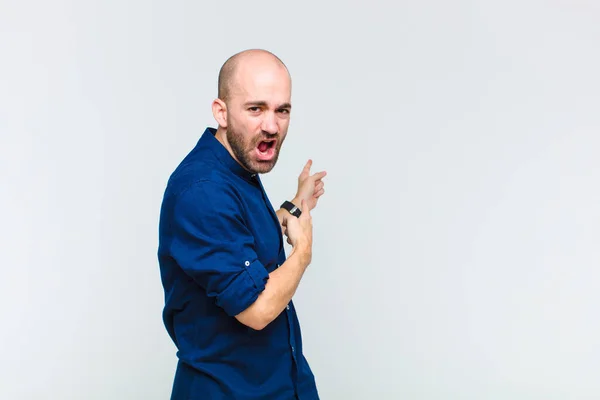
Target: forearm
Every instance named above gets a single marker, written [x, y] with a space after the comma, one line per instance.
[278, 292]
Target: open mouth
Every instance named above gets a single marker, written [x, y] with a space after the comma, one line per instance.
[266, 145]
[266, 149]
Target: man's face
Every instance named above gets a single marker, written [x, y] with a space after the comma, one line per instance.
[258, 116]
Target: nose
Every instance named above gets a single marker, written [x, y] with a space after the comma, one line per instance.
[269, 123]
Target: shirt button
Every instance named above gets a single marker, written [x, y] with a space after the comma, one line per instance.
[293, 349]
[288, 307]
[247, 263]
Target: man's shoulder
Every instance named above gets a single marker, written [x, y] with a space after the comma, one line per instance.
[193, 175]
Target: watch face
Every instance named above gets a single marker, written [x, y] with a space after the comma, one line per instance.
[296, 211]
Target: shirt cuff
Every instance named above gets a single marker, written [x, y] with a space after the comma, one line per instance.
[244, 289]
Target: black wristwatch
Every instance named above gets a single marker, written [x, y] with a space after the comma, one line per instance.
[295, 211]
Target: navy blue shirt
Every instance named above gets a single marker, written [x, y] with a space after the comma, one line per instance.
[219, 238]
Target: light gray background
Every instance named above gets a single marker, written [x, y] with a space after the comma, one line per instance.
[457, 245]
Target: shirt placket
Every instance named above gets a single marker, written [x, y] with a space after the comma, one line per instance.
[289, 309]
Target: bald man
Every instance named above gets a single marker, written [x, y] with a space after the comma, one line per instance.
[228, 283]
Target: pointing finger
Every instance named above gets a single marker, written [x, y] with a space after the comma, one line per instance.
[319, 175]
[307, 166]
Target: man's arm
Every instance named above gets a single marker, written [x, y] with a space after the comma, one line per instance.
[213, 246]
[279, 290]
[283, 282]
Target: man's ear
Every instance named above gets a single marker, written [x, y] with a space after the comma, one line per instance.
[219, 109]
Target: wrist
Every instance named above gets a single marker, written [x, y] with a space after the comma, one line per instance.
[297, 202]
[292, 207]
[303, 251]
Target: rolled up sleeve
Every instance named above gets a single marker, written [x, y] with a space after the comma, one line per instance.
[213, 245]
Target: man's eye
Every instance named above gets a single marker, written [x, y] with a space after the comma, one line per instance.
[284, 111]
[254, 109]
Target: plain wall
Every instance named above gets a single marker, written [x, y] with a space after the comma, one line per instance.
[457, 246]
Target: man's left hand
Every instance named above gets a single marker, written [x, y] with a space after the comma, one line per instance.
[310, 187]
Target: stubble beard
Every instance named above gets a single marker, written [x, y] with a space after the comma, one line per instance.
[245, 150]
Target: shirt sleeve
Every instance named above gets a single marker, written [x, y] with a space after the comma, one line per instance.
[213, 245]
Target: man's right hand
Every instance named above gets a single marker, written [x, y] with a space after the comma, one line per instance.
[299, 231]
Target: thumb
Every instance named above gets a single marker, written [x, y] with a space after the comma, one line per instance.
[304, 208]
[306, 169]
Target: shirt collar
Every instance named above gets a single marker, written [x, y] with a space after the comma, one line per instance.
[210, 140]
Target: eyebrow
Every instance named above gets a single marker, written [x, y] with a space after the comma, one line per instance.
[264, 104]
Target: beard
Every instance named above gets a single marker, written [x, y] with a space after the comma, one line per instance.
[245, 150]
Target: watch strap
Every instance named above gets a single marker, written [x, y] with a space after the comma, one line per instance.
[292, 208]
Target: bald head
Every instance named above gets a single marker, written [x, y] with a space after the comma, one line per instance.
[253, 108]
[244, 61]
